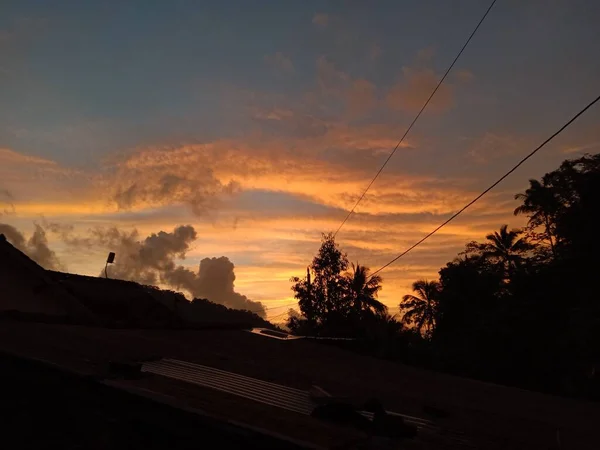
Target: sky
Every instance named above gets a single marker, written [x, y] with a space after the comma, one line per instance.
[260, 123]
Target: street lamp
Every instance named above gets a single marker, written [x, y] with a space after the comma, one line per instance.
[109, 260]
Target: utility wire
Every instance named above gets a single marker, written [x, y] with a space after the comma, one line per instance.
[560, 130]
[277, 316]
[415, 119]
[272, 307]
[281, 306]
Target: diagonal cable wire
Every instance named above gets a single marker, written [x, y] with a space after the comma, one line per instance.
[416, 118]
[496, 183]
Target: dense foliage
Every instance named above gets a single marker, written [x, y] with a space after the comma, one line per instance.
[333, 300]
[519, 308]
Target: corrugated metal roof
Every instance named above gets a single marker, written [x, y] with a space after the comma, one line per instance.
[272, 394]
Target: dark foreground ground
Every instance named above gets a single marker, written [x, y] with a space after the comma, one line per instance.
[488, 415]
[42, 407]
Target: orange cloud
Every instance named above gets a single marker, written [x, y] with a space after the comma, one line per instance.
[361, 97]
[11, 158]
[410, 93]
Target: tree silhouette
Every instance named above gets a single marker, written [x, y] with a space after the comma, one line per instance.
[363, 290]
[321, 294]
[335, 301]
[507, 248]
[421, 310]
[541, 206]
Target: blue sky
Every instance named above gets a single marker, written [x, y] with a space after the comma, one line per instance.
[278, 113]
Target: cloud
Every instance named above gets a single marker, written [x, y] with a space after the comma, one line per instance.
[329, 78]
[285, 122]
[36, 247]
[413, 90]
[418, 81]
[153, 177]
[38, 250]
[215, 281]
[14, 236]
[8, 156]
[491, 146]
[581, 148]
[280, 62]
[26, 176]
[357, 96]
[320, 20]
[152, 260]
[7, 207]
[361, 97]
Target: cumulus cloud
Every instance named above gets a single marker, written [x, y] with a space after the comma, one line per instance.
[320, 20]
[215, 281]
[36, 247]
[280, 62]
[152, 260]
[144, 260]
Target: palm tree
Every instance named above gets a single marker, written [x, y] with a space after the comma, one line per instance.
[541, 205]
[506, 247]
[363, 290]
[421, 309]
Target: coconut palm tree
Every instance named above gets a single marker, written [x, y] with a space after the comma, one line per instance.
[541, 206]
[421, 309]
[506, 247]
[362, 290]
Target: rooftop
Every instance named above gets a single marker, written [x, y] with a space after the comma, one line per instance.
[491, 416]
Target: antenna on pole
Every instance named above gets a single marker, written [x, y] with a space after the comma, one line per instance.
[109, 260]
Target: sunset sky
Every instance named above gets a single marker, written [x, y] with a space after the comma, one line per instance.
[260, 123]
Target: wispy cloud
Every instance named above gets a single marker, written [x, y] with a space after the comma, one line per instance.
[413, 89]
[581, 148]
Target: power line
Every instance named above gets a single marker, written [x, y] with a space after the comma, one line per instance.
[415, 119]
[272, 307]
[281, 306]
[277, 316]
[560, 130]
